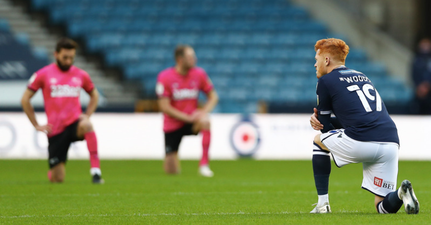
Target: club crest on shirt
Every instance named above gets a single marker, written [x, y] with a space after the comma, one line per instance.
[76, 81]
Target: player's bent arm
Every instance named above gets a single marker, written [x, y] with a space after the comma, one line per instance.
[336, 123]
[314, 122]
[166, 107]
[325, 120]
[94, 100]
[27, 107]
[211, 102]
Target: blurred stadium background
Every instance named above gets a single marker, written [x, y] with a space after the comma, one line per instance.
[258, 53]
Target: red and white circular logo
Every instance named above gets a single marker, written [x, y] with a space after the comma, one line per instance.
[245, 138]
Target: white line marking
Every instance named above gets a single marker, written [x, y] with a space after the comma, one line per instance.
[173, 193]
[149, 214]
[164, 214]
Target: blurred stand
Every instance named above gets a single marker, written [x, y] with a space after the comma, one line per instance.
[146, 106]
[421, 75]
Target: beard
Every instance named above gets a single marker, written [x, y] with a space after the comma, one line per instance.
[188, 67]
[62, 67]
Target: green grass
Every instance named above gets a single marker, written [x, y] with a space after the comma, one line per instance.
[242, 192]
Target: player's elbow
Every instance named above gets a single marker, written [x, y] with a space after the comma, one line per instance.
[163, 107]
[24, 101]
[94, 94]
[214, 97]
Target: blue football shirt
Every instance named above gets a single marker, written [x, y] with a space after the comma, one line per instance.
[356, 103]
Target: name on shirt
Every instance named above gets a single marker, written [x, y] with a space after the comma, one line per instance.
[58, 91]
[181, 94]
[354, 79]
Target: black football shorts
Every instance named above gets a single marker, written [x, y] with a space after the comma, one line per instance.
[173, 139]
[58, 145]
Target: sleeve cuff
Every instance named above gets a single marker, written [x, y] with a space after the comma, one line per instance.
[328, 112]
[209, 89]
[31, 89]
[91, 90]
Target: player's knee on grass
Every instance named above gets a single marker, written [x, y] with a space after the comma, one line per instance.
[58, 173]
[171, 164]
[318, 142]
[55, 179]
[377, 200]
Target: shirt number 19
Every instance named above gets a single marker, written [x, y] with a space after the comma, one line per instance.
[364, 94]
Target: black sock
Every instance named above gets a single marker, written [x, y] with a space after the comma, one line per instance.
[390, 204]
[321, 169]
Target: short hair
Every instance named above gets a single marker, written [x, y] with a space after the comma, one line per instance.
[65, 43]
[337, 48]
[179, 51]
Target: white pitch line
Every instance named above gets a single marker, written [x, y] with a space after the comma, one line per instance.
[173, 193]
[164, 214]
[159, 193]
[150, 215]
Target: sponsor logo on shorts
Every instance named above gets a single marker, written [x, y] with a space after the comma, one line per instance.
[388, 185]
[378, 182]
[54, 160]
[383, 183]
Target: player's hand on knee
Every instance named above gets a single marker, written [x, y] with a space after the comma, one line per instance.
[198, 115]
[45, 128]
[83, 117]
[189, 119]
[315, 123]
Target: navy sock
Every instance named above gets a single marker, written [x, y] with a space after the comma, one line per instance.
[321, 169]
[391, 203]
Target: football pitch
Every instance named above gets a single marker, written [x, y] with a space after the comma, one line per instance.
[241, 192]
